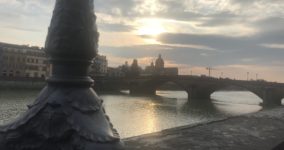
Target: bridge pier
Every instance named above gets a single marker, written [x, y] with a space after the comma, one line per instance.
[271, 97]
[199, 95]
[136, 90]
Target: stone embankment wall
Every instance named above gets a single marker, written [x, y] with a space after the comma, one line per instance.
[23, 84]
[263, 130]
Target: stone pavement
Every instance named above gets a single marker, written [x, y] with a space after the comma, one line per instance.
[259, 131]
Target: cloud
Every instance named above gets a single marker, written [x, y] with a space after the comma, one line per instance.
[232, 49]
[270, 24]
[274, 46]
[115, 27]
[193, 49]
[218, 42]
[22, 28]
[221, 19]
[238, 71]
[116, 7]
[25, 14]
[198, 32]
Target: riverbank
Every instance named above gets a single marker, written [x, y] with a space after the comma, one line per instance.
[22, 84]
[258, 131]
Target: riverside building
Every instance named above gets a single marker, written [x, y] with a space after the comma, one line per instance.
[99, 66]
[159, 69]
[21, 61]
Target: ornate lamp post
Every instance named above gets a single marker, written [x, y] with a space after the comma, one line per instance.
[67, 115]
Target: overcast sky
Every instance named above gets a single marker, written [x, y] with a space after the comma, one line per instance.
[231, 36]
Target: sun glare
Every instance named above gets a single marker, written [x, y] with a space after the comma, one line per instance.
[151, 27]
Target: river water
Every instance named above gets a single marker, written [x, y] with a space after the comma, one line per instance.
[134, 116]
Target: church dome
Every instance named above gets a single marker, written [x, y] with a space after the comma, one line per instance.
[159, 62]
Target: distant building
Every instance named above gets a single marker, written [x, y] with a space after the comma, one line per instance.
[159, 65]
[115, 72]
[23, 61]
[134, 70]
[99, 66]
[125, 68]
[173, 71]
[159, 68]
[149, 70]
[159, 62]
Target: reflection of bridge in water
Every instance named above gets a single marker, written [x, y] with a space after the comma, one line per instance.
[197, 88]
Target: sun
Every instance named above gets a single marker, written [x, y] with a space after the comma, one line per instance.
[150, 27]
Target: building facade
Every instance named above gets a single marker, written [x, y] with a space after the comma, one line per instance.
[115, 72]
[171, 71]
[20, 61]
[159, 69]
[149, 70]
[99, 66]
[159, 66]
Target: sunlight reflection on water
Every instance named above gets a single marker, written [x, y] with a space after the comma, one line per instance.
[140, 115]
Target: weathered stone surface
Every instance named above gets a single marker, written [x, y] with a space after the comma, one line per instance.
[259, 131]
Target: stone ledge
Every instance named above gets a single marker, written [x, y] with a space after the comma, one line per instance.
[258, 131]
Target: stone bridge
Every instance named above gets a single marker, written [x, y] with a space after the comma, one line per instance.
[200, 88]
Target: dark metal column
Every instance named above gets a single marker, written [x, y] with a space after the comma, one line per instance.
[68, 114]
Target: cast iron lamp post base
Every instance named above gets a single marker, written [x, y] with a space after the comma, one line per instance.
[62, 118]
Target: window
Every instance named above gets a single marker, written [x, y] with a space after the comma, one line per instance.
[11, 74]
[4, 73]
[36, 75]
[17, 73]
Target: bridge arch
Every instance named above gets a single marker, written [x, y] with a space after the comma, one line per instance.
[254, 94]
[255, 91]
[177, 83]
[269, 96]
[202, 88]
[150, 87]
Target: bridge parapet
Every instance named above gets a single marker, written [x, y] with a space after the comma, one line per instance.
[202, 87]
